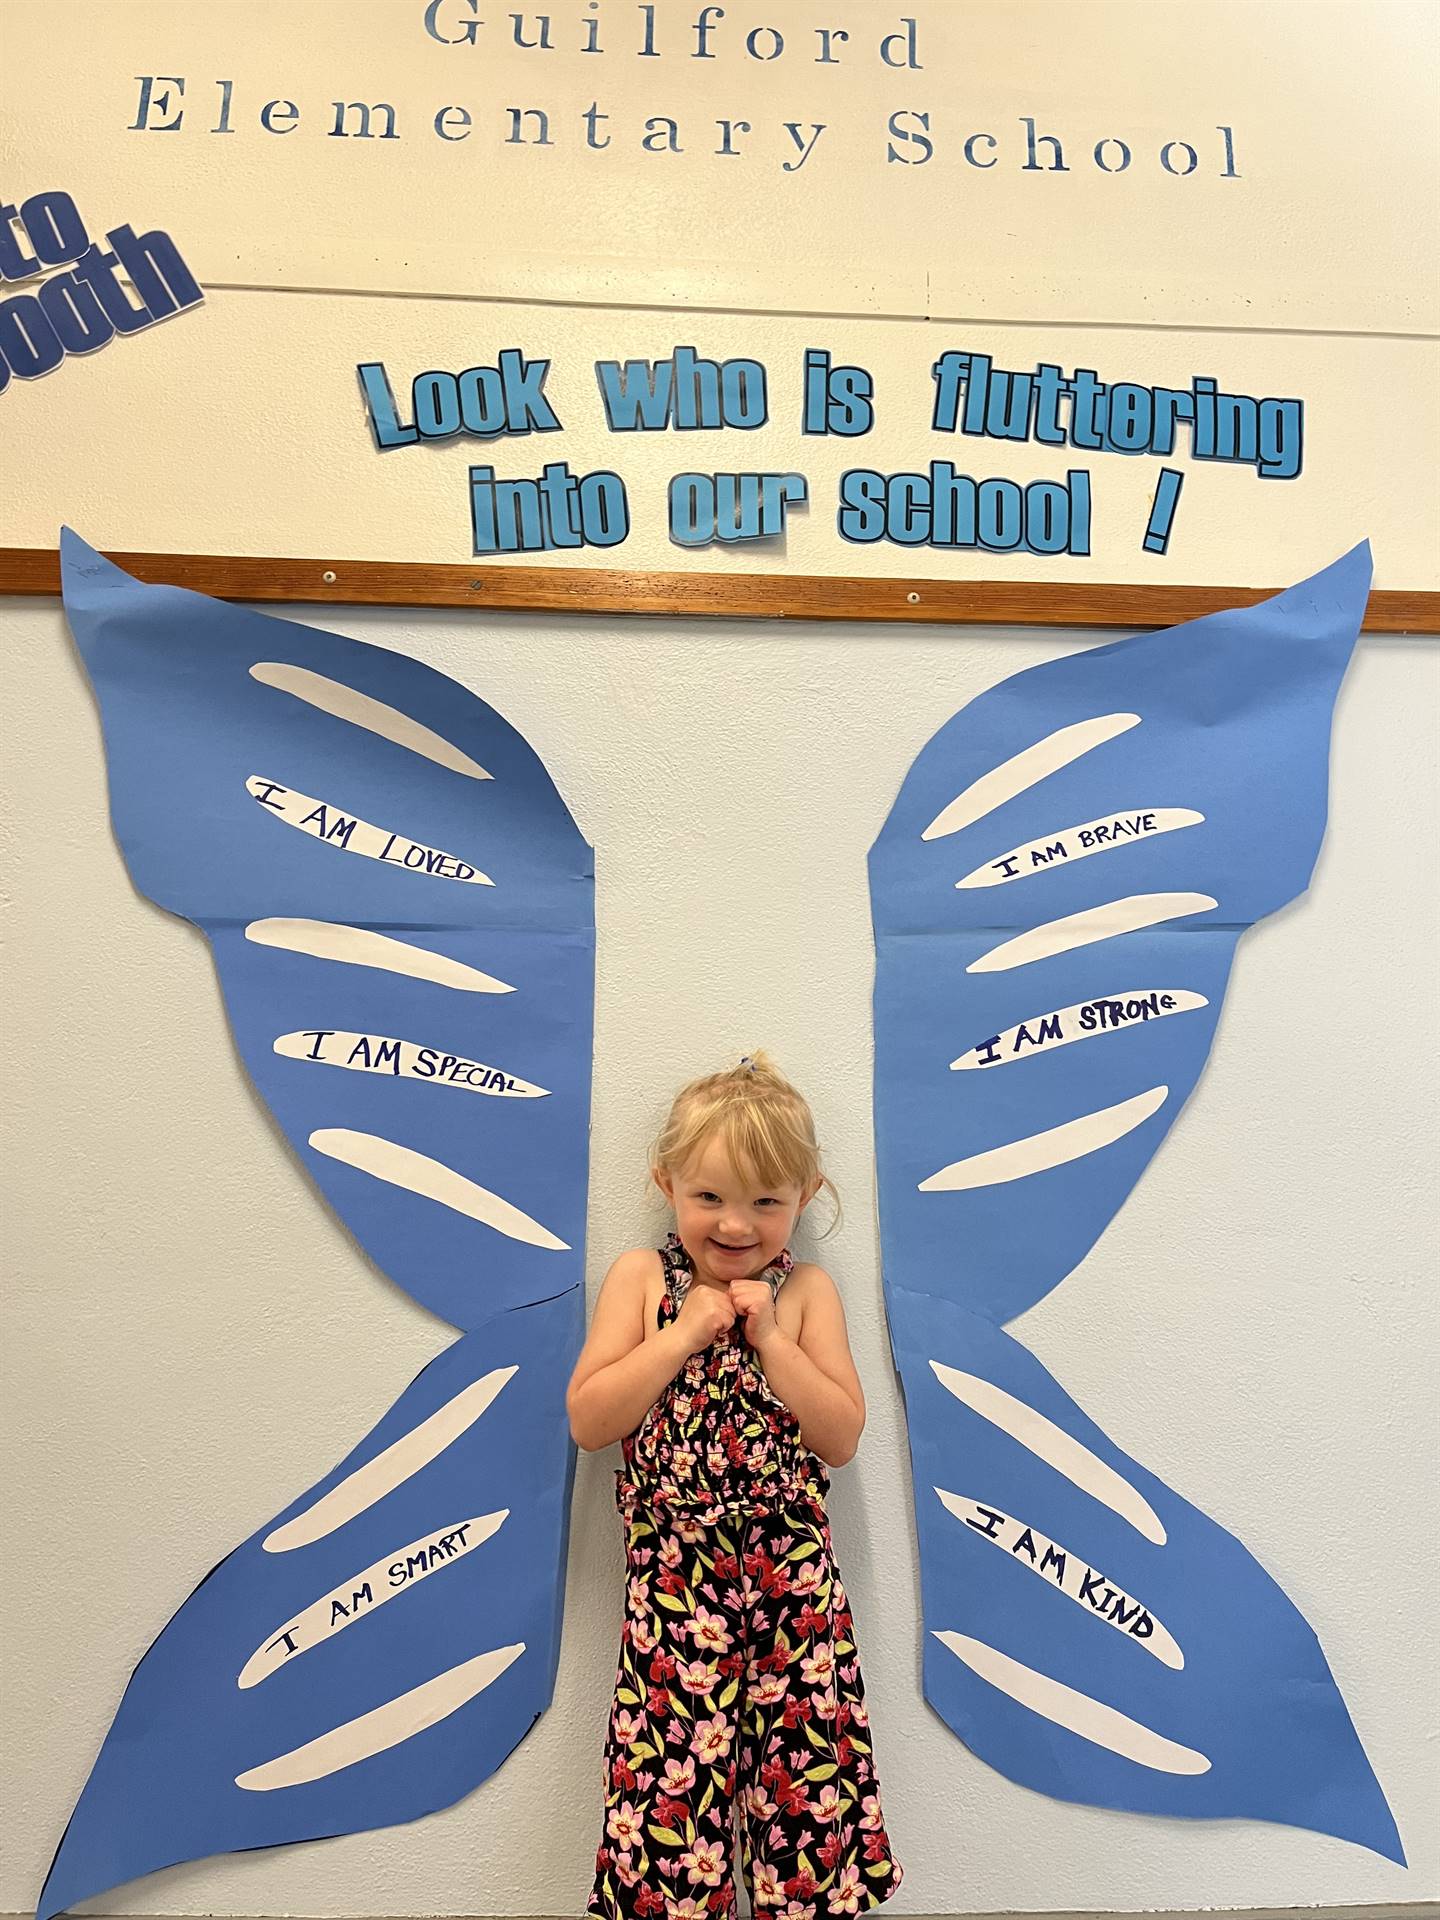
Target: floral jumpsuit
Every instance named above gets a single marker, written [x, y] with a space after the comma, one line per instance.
[739, 1687]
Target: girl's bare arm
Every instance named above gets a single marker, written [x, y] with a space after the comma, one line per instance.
[620, 1374]
[814, 1373]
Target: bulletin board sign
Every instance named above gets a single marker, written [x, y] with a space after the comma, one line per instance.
[813, 313]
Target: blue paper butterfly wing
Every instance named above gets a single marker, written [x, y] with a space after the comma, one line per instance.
[433, 1601]
[1226, 719]
[1250, 1725]
[1116, 819]
[401, 911]
[187, 726]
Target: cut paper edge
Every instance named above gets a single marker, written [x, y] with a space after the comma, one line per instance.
[1105, 922]
[316, 1623]
[1035, 1550]
[1055, 1147]
[382, 1727]
[1050, 850]
[1027, 769]
[1079, 1713]
[391, 1467]
[347, 703]
[1069, 1457]
[417, 1173]
[363, 947]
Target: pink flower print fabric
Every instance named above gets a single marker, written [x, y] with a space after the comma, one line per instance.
[739, 1701]
[718, 1441]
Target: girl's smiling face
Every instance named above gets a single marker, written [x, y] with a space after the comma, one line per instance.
[732, 1228]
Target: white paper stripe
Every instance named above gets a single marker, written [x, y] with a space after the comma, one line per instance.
[384, 1726]
[322, 820]
[1068, 844]
[1083, 929]
[1091, 1019]
[1056, 1147]
[360, 947]
[356, 1598]
[1027, 769]
[391, 1467]
[1063, 1706]
[403, 1060]
[361, 710]
[401, 1166]
[1069, 1573]
[1056, 1447]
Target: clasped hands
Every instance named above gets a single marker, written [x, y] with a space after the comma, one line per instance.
[706, 1312]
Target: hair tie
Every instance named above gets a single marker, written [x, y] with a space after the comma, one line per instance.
[747, 1063]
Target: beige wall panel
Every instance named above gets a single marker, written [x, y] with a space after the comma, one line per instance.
[1303, 216]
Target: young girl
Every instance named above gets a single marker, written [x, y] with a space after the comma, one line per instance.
[725, 1370]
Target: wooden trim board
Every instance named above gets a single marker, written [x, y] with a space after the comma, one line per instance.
[745, 596]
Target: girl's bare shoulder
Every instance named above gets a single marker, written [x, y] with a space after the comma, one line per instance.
[640, 1273]
[640, 1263]
[806, 1287]
[807, 1278]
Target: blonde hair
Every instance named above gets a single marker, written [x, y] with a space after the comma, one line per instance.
[764, 1124]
